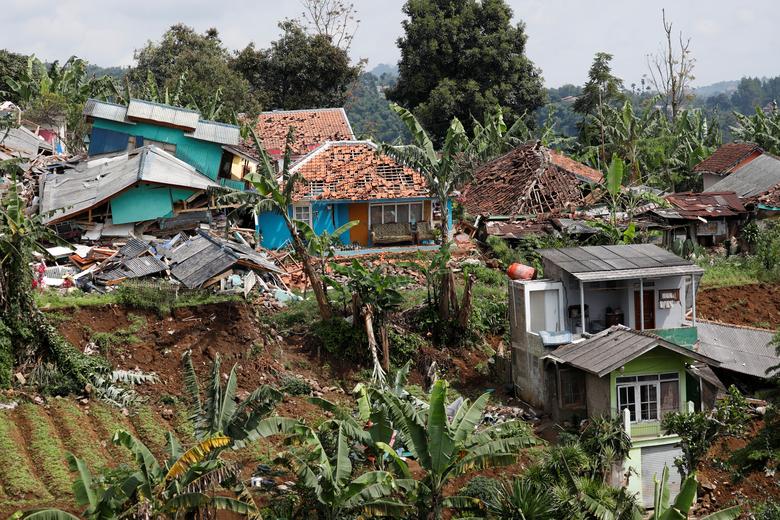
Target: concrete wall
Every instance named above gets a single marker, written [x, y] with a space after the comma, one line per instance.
[203, 155]
[597, 395]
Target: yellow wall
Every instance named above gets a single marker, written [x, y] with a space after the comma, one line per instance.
[238, 166]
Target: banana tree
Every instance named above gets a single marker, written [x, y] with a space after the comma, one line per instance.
[678, 510]
[323, 246]
[446, 447]
[183, 485]
[220, 414]
[762, 128]
[274, 193]
[328, 476]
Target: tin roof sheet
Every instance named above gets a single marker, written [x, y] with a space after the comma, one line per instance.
[216, 133]
[755, 178]
[741, 349]
[176, 116]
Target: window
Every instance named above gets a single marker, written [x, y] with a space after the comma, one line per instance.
[403, 212]
[316, 188]
[302, 212]
[649, 397]
[572, 384]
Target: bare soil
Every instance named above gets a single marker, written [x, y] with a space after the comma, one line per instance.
[753, 305]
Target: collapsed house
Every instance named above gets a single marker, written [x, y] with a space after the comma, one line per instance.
[529, 184]
[112, 196]
[708, 219]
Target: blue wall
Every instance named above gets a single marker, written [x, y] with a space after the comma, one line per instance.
[327, 217]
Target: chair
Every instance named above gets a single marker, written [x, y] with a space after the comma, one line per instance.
[391, 233]
[425, 232]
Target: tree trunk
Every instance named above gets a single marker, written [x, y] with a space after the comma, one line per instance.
[355, 310]
[378, 374]
[444, 298]
[326, 312]
[385, 347]
[466, 303]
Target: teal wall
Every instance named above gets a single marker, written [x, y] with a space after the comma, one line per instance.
[203, 155]
[683, 336]
[146, 202]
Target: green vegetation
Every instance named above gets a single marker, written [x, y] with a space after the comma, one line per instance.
[108, 420]
[108, 341]
[727, 271]
[292, 385]
[55, 299]
[46, 450]
[76, 432]
[147, 425]
[18, 479]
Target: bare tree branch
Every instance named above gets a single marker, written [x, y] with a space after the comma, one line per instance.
[335, 19]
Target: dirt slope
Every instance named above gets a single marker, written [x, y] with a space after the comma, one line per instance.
[754, 305]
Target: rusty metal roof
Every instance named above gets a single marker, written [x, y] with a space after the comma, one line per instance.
[710, 204]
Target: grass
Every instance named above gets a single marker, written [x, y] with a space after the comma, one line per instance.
[53, 299]
[150, 428]
[108, 420]
[47, 451]
[18, 479]
[77, 434]
[728, 272]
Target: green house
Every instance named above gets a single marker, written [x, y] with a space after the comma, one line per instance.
[637, 376]
[179, 131]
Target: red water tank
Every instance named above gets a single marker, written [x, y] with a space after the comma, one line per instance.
[520, 272]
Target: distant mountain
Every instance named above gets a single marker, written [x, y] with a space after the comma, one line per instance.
[721, 87]
[370, 114]
[384, 68]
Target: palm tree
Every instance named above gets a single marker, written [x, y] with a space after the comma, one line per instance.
[275, 194]
[182, 485]
[219, 414]
[446, 447]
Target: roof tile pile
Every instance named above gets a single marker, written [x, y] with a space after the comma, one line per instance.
[312, 129]
[711, 204]
[581, 171]
[525, 181]
[352, 170]
[725, 158]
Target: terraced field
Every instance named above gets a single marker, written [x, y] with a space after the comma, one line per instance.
[35, 439]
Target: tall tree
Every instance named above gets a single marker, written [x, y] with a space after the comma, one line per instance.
[601, 88]
[12, 65]
[459, 58]
[299, 70]
[205, 62]
[334, 19]
[671, 71]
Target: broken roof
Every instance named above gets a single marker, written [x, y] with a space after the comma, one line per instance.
[65, 195]
[525, 181]
[752, 180]
[613, 348]
[204, 256]
[745, 350]
[168, 115]
[727, 157]
[581, 171]
[598, 263]
[23, 142]
[313, 128]
[692, 205]
[353, 170]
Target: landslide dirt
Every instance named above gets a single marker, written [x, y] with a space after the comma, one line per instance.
[753, 305]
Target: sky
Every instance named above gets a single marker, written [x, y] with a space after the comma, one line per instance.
[728, 39]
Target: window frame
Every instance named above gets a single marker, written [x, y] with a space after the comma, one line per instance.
[573, 376]
[635, 384]
[395, 205]
[301, 206]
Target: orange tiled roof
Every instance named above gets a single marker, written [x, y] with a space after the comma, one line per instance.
[583, 172]
[312, 129]
[352, 170]
[727, 157]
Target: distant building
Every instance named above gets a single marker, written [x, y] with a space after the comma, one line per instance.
[727, 159]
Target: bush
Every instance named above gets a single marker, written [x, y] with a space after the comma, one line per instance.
[6, 356]
[769, 510]
[489, 311]
[146, 297]
[483, 488]
[486, 275]
[404, 345]
[295, 386]
[341, 339]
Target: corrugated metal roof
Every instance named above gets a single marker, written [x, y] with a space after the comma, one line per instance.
[23, 141]
[711, 204]
[615, 347]
[756, 177]
[176, 116]
[592, 263]
[65, 195]
[743, 350]
[216, 133]
[105, 110]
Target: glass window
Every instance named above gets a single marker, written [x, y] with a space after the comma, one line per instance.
[403, 212]
[376, 215]
[670, 397]
[627, 399]
[416, 212]
[648, 401]
[388, 211]
[303, 213]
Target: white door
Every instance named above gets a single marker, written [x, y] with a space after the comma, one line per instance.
[653, 460]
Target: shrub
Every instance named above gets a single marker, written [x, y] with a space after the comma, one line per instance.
[6, 356]
[341, 339]
[483, 488]
[404, 345]
[769, 510]
[489, 311]
[295, 386]
[146, 297]
[486, 275]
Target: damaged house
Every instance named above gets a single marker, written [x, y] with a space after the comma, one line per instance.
[606, 332]
[724, 161]
[519, 192]
[347, 181]
[109, 196]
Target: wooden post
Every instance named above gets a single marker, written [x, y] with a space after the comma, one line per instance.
[693, 297]
[641, 304]
[582, 307]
